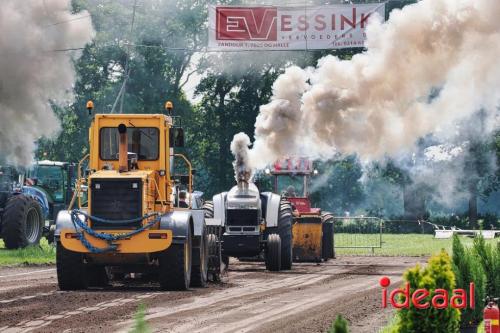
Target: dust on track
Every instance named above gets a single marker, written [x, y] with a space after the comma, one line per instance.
[250, 299]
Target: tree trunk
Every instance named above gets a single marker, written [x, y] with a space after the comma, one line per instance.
[414, 203]
[473, 205]
[221, 92]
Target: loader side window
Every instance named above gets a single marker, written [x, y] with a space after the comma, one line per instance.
[144, 141]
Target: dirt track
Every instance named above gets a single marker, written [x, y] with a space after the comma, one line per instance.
[305, 299]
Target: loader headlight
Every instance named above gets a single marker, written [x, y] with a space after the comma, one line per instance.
[267, 171]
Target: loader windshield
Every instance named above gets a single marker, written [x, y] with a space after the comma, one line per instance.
[290, 186]
[143, 141]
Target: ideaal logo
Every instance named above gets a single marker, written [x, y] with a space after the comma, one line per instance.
[247, 23]
[420, 297]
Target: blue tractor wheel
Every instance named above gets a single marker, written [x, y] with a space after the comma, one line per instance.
[22, 222]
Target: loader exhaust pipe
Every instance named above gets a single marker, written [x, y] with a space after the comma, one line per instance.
[123, 149]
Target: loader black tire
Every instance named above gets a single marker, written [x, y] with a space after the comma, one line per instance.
[22, 222]
[285, 231]
[273, 253]
[328, 248]
[176, 265]
[71, 270]
[199, 272]
[97, 276]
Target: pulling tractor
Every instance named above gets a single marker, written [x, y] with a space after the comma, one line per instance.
[312, 229]
[29, 201]
[21, 214]
[140, 217]
[252, 224]
[52, 183]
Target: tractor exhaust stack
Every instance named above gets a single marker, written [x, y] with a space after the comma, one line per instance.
[242, 169]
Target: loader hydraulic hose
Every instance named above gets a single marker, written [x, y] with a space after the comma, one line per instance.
[82, 226]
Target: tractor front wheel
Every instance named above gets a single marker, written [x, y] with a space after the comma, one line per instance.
[215, 259]
[273, 253]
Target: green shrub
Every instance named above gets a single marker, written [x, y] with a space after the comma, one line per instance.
[437, 274]
[140, 323]
[339, 325]
[392, 326]
[467, 269]
[489, 258]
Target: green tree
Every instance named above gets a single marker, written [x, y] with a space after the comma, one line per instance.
[153, 57]
[339, 188]
[437, 274]
[467, 269]
[489, 258]
[340, 325]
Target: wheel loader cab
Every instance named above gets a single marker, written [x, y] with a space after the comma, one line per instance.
[130, 219]
[130, 163]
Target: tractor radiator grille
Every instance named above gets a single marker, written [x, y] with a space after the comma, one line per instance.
[116, 199]
[242, 217]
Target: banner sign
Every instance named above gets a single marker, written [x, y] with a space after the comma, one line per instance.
[290, 28]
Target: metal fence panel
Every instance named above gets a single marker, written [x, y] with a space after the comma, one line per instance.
[358, 232]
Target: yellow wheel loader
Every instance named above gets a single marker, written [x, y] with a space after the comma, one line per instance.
[131, 212]
[312, 229]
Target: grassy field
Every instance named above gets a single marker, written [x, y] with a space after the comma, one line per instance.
[392, 245]
[398, 244]
[33, 255]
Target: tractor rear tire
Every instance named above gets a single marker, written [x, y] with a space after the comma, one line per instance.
[176, 265]
[273, 253]
[71, 270]
[199, 272]
[328, 249]
[215, 259]
[225, 261]
[208, 208]
[285, 232]
[22, 222]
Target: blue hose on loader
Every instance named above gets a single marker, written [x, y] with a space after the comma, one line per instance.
[109, 238]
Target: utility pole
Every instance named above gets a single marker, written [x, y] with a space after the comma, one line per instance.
[127, 65]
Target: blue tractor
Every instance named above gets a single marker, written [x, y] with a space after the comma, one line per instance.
[21, 215]
[30, 201]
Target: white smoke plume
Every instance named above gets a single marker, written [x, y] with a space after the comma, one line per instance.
[32, 70]
[239, 148]
[378, 103]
